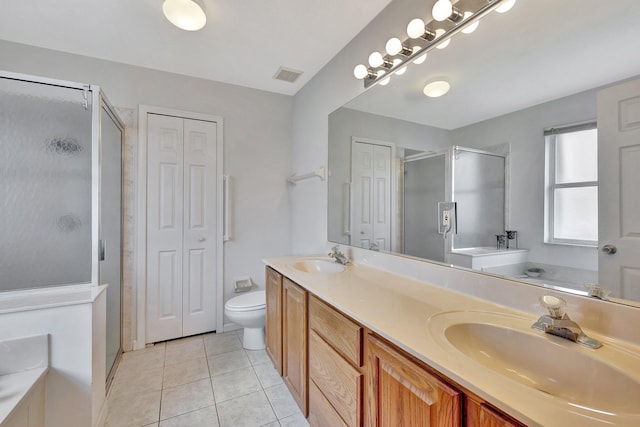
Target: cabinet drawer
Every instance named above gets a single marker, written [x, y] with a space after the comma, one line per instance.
[342, 333]
[321, 413]
[340, 383]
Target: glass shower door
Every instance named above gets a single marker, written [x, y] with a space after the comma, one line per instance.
[111, 229]
[45, 185]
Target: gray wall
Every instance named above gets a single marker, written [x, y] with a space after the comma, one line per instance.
[257, 140]
[330, 88]
[523, 131]
[345, 123]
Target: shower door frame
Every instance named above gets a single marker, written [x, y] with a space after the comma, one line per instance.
[450, 194]
[95, 157]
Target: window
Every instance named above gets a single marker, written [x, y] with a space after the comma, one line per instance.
[571, 199]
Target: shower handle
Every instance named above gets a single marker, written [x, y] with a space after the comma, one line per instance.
[101, 250]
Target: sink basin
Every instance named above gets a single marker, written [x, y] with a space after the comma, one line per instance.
[318, 266]
[606, 380]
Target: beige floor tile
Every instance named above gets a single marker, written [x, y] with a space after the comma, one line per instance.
[227, 362]
[273, 424]
[130, 411]
[257, 356]
[141, 360]
[130, 382]
[180, 351]
[186, 398]
[205, 417]
[297, 420]
[222, 343]
[267, 375]
[235, 384]
[282, 401]
[185, 372]
[252, 410]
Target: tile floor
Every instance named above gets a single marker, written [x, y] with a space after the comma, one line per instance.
[202, 381]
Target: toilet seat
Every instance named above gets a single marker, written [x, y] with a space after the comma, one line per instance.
[247, 302]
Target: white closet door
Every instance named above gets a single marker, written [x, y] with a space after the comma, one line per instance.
[371, 178]
[382, 197]
[164, 227]
[199, 275]
[362, 179]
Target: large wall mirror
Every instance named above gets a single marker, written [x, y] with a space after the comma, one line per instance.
[501, 173]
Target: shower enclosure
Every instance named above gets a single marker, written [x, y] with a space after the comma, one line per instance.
[60, 187]
[474, 179]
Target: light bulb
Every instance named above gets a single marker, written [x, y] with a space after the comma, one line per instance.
[400, 71]
[420, 59]
[376, 59]
[185, 14]
[442, 9]
[471, 28]
[360, 71]
[415, 29]
[436, 89]
[444, 43]
[505, 6]
[385, 81]
[394, 46]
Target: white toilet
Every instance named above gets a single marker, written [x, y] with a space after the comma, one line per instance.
[249, 311]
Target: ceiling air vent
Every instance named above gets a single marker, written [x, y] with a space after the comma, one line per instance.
[287, 74]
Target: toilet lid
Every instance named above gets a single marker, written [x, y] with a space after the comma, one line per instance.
[247, 302]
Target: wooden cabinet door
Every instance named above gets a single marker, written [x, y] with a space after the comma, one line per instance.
[402, 393]
[294, 342]
[481, 415]
[273, 326]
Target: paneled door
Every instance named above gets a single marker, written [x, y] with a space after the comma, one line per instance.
[371, 180]
[618, 195]
[181, 227]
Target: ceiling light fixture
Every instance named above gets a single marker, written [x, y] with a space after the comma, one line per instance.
[423, 37]
[187, 15]
[436, 88]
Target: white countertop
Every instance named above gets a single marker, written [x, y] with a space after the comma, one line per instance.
[399, 308]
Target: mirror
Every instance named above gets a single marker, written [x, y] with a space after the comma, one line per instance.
[395, 155]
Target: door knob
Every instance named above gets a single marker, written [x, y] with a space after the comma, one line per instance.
[609, 249]
[202, 239]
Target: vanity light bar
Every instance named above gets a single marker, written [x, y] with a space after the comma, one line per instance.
[379, 71]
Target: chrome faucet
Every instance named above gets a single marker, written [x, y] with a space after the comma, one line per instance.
[339, 256]
[558, 323]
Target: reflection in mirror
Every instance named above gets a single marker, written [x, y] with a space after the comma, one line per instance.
[487, 146]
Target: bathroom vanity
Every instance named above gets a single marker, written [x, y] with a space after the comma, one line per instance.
[365, 347]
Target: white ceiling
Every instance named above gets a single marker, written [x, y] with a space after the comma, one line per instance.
[539, 51]
[244, 41]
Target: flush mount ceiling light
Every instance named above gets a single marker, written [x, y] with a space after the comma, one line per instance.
[436, 89]
[187, 15]
[446, 22]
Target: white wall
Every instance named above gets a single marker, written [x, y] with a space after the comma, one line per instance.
[257, 140]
